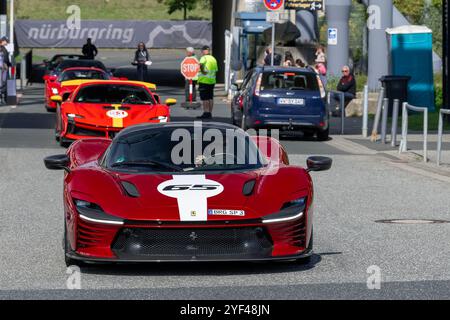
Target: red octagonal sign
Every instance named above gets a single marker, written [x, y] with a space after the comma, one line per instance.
[190, 67]
[274, 5]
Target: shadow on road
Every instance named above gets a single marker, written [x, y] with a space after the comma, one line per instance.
[202, 268]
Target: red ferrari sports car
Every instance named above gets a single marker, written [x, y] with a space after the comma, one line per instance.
[99, 108]
[167, 193]
[53, 82]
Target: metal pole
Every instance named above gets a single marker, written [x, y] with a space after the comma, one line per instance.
[273, 45]
[377, 116]
[439, 144]
[395, 122]
[384, 120]
[404, 142]
[365, 112]
[342, 113]
[425, 136]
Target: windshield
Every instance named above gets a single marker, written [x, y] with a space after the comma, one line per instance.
[177, 149]
[80, 63]
[83, 74]
[114, 94]
[292, 80]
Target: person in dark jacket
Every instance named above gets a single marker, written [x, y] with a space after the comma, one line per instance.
[89, 50]
[5, 64]
[142, 60]
[347, 85]
[268, 58]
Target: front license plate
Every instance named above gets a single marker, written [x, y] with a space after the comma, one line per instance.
[290, 101]
[220, 212]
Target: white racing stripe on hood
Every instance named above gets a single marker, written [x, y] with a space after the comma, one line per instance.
[192, 193]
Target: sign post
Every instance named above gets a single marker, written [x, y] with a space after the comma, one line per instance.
[273, 16]
[190, 68]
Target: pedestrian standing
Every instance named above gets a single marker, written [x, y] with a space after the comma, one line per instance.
[320, 55]
[207, 82]
[142, 61]
[89, 50]
[288, 59]
[5, 64]
[190, 53]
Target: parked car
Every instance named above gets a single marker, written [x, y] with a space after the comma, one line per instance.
[282, 98]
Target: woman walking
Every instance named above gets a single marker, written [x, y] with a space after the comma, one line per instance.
[142, 60]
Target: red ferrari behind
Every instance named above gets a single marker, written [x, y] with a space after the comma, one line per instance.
[53, 82]
[97, 108]
[162, 193]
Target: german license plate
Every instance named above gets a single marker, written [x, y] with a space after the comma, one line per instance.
[291, 101]
[220, 212]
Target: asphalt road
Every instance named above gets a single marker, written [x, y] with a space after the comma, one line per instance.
[361, 188]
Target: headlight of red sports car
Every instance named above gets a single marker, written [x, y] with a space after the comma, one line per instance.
[291, 210]
[161, 119]
[91, 212]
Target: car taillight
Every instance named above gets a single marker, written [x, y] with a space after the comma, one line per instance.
[241, 102]
[258, 86]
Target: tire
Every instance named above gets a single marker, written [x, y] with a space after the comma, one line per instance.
[69, 261]
[323, 135]
[51, 110]
[233, 119]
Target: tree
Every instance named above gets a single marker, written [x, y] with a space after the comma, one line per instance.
[182, 5]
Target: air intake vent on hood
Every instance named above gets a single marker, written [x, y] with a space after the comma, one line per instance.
[130, 189]
[247, 190]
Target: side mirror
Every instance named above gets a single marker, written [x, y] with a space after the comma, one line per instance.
[319, 163]
[58, 162]
[56, 98]
[171, 102]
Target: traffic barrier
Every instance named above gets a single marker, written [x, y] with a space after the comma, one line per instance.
[404, 142]
[341, 96]
[442, 112]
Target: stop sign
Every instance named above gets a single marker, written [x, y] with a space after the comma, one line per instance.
[190, 67]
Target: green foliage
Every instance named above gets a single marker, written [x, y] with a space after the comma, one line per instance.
[179, 5]
[412, 9]
[107, 10]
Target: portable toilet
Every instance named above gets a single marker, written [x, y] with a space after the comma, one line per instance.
[411, 54]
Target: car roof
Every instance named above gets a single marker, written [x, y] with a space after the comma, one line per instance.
[175, 125]
[82, 82]
[84, 69]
